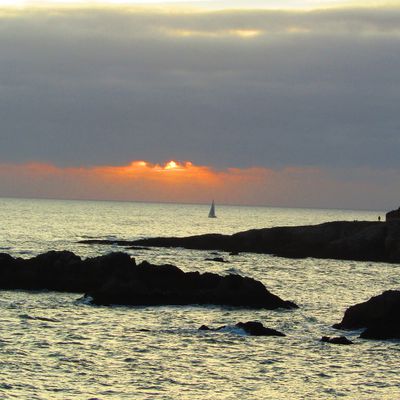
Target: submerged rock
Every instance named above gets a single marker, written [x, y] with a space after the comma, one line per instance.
[252, 328]
[343, 240]
[117, 279]
[44, 319]
[380, 315]
[216, 259]
[336, 340]
[204, 328]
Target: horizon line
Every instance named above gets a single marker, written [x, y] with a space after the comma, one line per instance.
[5, 197]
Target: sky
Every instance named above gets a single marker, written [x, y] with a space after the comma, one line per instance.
[256, 103]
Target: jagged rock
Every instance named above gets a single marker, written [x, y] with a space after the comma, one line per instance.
[255, 328]
[336, 340]
[345, 240]
[167, 284]
[252, 328]
[204, 328]
[380, 315]
[116, 279]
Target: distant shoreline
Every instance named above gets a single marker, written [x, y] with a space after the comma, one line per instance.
[341, 240]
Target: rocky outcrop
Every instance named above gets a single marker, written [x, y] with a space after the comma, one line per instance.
[117, 279]
[380, 315]
[393, 215]
[255, 328]
[385, 332]
[62, 271]
[167, 284]
[336, 340]
[252, 328]
[345, 240]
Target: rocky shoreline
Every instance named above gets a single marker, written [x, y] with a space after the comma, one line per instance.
[117, 279]
[343, 240]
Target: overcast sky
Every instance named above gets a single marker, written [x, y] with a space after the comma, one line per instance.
[240, 88]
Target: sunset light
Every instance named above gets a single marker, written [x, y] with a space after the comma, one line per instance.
[175, 181]
[172, 165]
[139, 180]
[199, 156]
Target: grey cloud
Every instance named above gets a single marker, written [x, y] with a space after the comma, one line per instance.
[97, 87]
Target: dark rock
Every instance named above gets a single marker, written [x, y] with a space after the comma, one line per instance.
[116, 279]
[204, 328]
[382, 332]
[393, 215]
[252, 328]
[380, 315]
[138, 248]
[345, 240]
[217, 259]
[234, 253]
[336, 340]
[219, 328]
[54, 270]
[166, 284]
[6, 259]
[255, 328]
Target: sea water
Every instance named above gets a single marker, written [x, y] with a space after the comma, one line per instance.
[55, 347]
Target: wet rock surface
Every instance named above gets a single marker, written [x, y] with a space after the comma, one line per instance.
[117, 279]
[380, 315]
[344, 240]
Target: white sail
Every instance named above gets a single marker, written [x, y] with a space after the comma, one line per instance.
[211, 214]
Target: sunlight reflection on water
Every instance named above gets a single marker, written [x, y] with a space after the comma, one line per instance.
[157, 352]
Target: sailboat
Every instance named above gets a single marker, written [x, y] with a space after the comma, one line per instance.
[211, 214]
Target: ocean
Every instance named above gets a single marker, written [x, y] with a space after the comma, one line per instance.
[53, 346]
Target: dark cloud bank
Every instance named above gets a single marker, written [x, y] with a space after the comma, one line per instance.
[228, 88]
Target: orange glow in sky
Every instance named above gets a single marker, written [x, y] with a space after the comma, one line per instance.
[140, 180]
[183, 182]
[171, 172]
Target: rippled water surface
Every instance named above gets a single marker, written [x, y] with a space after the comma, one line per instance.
[54, 347]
